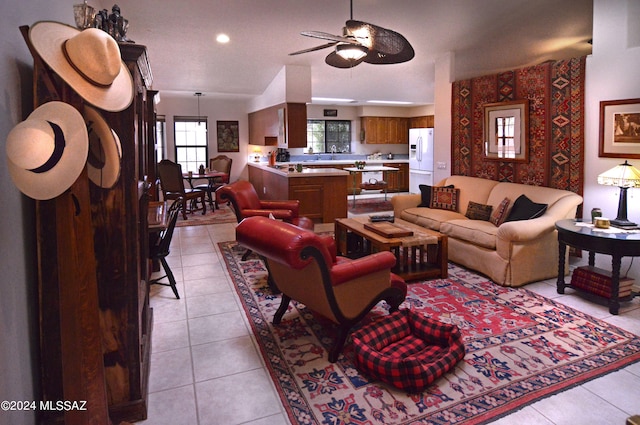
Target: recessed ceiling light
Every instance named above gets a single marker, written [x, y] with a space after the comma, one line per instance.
[391, 102]
[222, 38]
[331, 99]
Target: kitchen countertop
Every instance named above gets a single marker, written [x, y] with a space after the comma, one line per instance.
[282, 168]
[348, 161]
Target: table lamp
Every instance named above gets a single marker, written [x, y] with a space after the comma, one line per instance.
[623, 176]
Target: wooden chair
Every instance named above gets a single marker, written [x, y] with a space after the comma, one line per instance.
[305, 268]
[221, 163]
[160, 248]
[173, 188]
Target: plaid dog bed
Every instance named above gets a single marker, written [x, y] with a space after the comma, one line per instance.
[407, 350]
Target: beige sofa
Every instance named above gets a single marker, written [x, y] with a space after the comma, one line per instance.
[512, 254]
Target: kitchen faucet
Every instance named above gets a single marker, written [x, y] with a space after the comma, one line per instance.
[333, 151]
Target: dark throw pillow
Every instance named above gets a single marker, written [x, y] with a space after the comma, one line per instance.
[525, 209]
[445, 198]
[476, 211]
[425, 193]
[499, 215]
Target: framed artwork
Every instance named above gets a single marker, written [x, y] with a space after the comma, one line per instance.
[228, 136]
[505, 131]
[620, 129]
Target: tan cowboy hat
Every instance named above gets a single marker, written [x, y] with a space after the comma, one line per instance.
[89, 61]
[105, 152]
[47, 152]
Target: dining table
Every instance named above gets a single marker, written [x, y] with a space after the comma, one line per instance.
[210, 175]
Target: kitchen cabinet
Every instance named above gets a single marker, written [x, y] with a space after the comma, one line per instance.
[425, 121]
[398, 181]
[385, 130]
[322, 194]
[283, 125]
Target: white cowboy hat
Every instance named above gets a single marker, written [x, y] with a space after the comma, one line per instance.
[89, 61]
[105, 152]
[47, 152]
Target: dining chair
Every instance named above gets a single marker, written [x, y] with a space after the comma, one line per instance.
[221, 163]
[172, 183]
[159, 249]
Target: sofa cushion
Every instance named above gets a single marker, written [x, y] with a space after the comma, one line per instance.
[429, 217]
[501, 212]
[476, 232]
[477, 211]
[525, 209]
[444, 198]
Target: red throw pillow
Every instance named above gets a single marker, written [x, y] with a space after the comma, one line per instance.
[501, 212]
[444, 198]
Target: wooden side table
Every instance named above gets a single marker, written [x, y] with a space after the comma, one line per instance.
[611, 242]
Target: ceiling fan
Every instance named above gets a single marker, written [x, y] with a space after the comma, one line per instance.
[362, 42]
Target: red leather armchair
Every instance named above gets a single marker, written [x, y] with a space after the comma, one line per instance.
[304, 267]
[245, 202]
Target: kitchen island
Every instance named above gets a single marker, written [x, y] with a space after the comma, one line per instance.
[322, 192]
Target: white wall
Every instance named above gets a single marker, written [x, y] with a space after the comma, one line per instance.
[19, 374]
[611, 74]
[214, 109]
[444, 74]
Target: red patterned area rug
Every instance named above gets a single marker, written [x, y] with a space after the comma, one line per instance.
[365, 206]
[223, 215]
[520, 347]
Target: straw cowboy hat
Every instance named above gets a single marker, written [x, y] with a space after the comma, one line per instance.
[105, 152]
[47, 152]
[89, 61]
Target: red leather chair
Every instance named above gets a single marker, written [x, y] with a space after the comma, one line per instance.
[304, 267]
[245, 202]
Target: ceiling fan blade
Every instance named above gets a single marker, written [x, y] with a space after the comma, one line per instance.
[313, 49]
[327, 36]
[338, 61]
[383, 40]
[378, 58]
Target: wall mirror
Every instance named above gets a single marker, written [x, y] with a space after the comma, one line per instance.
[506, 128]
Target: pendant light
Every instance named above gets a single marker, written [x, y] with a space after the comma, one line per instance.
[198, 95]
[200, 127]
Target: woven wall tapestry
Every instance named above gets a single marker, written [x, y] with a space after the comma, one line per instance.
[555, 91]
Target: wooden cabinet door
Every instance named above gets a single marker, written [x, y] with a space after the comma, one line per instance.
[370, 127]
[422, 122]
[403, 131]
[381, 130]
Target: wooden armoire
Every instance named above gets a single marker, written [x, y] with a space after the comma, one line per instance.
[93, 268]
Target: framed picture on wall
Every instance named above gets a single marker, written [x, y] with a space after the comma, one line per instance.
[505, 131]
[620, 129]
[228, 136]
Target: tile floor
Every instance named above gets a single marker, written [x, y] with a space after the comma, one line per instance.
[206, 368]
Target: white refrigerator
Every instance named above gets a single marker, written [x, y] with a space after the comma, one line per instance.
[420, 158]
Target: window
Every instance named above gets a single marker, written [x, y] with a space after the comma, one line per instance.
[323, 135]
[190, 135]
[161, 138]
[505, 135]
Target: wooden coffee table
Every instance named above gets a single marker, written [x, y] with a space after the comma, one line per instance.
[424, 255]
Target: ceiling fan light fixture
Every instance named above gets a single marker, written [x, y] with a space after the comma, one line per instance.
[351, 51]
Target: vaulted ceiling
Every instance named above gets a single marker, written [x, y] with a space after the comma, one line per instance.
[485, 37]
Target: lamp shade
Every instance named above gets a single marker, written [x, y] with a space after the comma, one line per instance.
[351, 51]
[622, 175]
